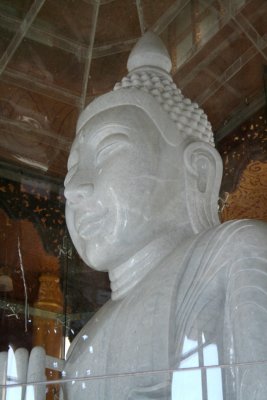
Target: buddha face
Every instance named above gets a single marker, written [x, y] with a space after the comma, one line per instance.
[115, 188]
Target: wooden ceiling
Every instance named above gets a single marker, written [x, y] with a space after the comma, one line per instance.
[57, 56]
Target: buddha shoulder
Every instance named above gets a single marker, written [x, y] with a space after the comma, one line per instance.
[242, 245]
[244, 234]
[234, 244]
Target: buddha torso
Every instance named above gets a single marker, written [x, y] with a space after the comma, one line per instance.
[197, 300]
[126, 336]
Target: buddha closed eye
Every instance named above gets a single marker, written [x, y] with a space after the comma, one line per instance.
[109, 145]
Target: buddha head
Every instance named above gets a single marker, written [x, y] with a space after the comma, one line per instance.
[143, 164]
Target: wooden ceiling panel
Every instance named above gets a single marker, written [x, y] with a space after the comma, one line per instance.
[65, 18]
[197, 85]
[34, 111]
[249, 79]
[53, 57]
[16, 8]
[117, 21]
[219, 106]
[259, 21]
[36, 131]
[154, 9]
[236, 48]
[5, 38]
[254, 9]
[26, 150]
[204, 55]
[105, 72]
[49, 65]
[56, 166]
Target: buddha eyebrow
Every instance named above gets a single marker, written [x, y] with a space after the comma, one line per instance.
[110, 137]
[106, 130]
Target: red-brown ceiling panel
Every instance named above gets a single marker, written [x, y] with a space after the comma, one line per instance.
[117, 21]
[203, 55]
[198, 85]
[154, 9]
[16, 8]
[219, 106]
[35, 131]
[5, 38]
[105, 72]
[236, 47]
[256, 12]
[68, 18]
[250, 78]
[37, 111]
[49, 65]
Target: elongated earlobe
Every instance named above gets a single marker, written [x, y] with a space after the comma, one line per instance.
[203, 172]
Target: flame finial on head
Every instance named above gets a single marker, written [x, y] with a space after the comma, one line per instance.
[149, 51]
[149, 68]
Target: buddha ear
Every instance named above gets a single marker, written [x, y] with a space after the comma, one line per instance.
[203, 173]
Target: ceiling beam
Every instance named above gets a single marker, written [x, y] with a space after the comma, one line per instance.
[88, 58]
[21, 128]
[260, 42]
[43, 36]
[229, 88]
[52, 39]
[192, 74]
[195, 49]
[140, 13]
[166, 19]
[114, 48]
[21, 32]
[228, 74]
[259, 45]
[27, 82]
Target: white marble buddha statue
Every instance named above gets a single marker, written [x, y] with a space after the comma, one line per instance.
[142, 190]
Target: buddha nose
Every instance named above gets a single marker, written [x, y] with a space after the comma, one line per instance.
[76, 193]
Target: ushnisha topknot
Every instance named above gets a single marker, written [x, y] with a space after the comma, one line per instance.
[149, 68]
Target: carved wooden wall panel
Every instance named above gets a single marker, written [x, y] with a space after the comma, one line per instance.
[244, 184]
[249, 199]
